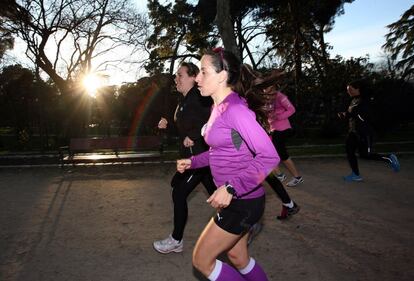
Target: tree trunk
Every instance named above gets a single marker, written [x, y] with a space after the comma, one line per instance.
[225, 27]
[297, 53]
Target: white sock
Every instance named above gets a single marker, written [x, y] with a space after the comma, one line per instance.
[289, 205]
[248, 267]
[216, 271]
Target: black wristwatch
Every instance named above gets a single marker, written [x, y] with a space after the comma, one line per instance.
[230, 189]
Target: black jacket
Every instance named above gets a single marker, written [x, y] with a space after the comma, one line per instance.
[360, 117]
[192, 113]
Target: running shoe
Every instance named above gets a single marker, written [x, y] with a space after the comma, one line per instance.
[254, 231]
[168, 245]
[352, 177]
[395, 164]
[295, 181]
[287, 212]
[282, 177]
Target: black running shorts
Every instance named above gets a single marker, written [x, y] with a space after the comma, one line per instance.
[240, 215]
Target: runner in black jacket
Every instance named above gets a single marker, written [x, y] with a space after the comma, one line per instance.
[360, 136]
[191, 114]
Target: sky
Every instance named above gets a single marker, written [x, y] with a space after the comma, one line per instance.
[362, 29]
[358, 32]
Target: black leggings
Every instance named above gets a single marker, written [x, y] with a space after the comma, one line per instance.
[362, 144]
[182, 185]
[279, 141]
[277, 186]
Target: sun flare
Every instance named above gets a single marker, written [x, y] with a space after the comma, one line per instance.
[92, 83]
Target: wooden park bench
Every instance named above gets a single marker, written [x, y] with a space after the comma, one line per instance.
[111, 150]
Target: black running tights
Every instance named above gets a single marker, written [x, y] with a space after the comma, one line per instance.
[362, 144]
[277, 186]
[182, 185]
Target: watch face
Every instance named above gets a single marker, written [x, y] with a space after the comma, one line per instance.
[231, 190]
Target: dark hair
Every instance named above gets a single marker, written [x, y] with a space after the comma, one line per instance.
[192, 69]
[247, 82]
[248, 78]
[227, 61]
[251, 85]
[363, 86]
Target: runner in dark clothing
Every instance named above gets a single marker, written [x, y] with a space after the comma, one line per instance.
[191, 114]
[360, 135]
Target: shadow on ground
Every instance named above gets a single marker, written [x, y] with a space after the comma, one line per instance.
[98, 223]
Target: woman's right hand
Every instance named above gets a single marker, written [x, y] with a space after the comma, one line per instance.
[220, 199]
[163, 123]
[183, 164]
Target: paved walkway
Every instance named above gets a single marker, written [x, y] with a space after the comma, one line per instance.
[98, 223]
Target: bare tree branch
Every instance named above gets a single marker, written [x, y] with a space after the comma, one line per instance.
[70, 35]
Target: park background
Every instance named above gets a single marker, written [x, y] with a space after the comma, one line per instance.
[71, 49]
[59, 61]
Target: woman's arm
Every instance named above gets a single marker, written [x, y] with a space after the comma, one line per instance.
[200, 160]
[265, 156]
[288, 107]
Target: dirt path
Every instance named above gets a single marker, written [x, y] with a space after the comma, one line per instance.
[98, 223]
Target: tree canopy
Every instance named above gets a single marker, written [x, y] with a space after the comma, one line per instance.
[178, 33]
[400, 42]
[69, 38]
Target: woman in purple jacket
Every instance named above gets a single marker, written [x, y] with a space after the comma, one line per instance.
[241, 156]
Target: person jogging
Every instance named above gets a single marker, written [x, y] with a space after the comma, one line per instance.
[281, 130]
[361, 131]
[191, 114]
[241, 156]
[250, 78]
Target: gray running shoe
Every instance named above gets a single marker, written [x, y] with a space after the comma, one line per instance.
[295, 181]
[168, 245]
[282, 177]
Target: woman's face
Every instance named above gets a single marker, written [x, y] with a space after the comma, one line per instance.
[208, 79]
[183, 81]
[352, 91]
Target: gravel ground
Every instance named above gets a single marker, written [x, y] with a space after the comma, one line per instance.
[98, 223]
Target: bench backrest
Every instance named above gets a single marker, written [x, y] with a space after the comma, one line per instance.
[115, 143]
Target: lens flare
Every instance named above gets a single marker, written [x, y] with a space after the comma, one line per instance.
[92, 82]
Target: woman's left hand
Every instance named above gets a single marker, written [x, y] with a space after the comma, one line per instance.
[183, 164]
[220, 198]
